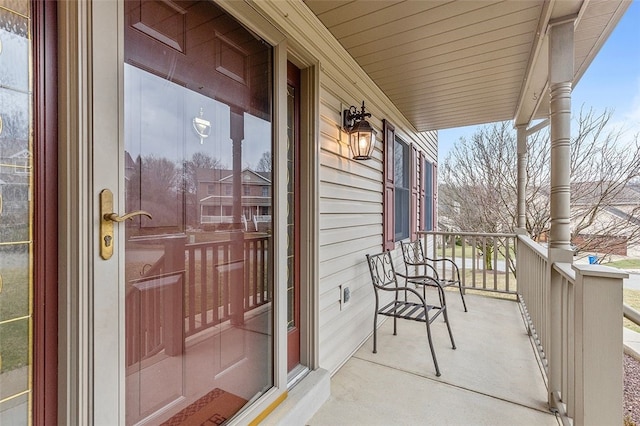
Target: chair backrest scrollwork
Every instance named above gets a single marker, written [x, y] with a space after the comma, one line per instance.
[381, 268]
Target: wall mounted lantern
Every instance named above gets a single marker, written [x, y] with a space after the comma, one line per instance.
[362, 137]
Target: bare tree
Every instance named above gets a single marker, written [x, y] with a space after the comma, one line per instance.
[265, 163]
[478, 184]
[154, 185]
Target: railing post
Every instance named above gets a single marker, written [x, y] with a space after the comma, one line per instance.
[552, 322]
[236, 278]
[173, 327]
[598, 345]
[554, 331]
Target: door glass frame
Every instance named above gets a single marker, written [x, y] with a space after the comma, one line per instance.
[95, 394]
[223, 269]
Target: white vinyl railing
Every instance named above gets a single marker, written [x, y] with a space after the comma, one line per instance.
[573, 313]
[486, 261]
[534, 291]
[260, 219]
[216, 219]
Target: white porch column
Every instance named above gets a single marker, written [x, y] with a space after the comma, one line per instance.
[560, 78]
[522, 176]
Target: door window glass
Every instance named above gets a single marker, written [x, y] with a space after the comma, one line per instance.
[16, 213]
[402, 191]
[199, 287]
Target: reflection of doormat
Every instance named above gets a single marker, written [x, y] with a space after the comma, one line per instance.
[212, 409]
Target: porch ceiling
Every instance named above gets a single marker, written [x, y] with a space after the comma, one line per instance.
[457, 63]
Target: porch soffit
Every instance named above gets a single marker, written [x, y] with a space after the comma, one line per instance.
[457, 63]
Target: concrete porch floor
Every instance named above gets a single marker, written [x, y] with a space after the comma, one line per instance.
[492, 378]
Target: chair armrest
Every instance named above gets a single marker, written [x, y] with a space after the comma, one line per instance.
[406, 289]
[411, 278]
[433, 270]
[446, 259]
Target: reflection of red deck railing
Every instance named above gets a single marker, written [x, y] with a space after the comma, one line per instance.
[206, 284]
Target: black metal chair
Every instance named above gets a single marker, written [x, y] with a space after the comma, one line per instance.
[384, 279]
[415, 259]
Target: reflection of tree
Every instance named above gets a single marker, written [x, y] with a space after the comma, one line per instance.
[166, 189]
[15, 125]
[154, 186]
[14, 182]
[199, 160]
[265, 163]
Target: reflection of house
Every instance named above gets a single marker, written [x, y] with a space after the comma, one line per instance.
[216, 198]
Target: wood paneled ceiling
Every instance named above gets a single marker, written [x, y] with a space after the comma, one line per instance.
[457, 63]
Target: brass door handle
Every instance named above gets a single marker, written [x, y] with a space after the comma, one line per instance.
[115, 218]
[107, 217]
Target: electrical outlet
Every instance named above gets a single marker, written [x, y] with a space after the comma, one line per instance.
[344, 296]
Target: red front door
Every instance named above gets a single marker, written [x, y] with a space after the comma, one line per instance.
[293, 216]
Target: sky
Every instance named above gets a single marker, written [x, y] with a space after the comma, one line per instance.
[159, 121]
[612, 81]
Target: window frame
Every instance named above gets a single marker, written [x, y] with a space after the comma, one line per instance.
[417, 203]
[388, 197]
[402, 198]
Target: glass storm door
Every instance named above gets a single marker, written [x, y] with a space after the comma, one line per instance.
[196, 255]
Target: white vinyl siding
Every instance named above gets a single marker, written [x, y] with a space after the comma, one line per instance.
[350, 192]
[350, 227]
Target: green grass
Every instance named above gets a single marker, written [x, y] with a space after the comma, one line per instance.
[14, 340]
[14, 303]
[632, 298]
[625, 264]
[456, 251]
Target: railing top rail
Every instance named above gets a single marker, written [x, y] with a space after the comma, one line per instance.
[533, 245]
[224, 242]
[470, 234]
[631, 314]
[565, 270]
[157, 238]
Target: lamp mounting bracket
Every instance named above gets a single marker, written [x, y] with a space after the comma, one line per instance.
[351, 115]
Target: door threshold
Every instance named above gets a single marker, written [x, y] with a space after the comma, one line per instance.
[296, 375]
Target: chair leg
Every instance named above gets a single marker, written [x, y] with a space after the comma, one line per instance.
[433, 352]
[395, 326]
[462, 296]
[446, 320]
[375, 331]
